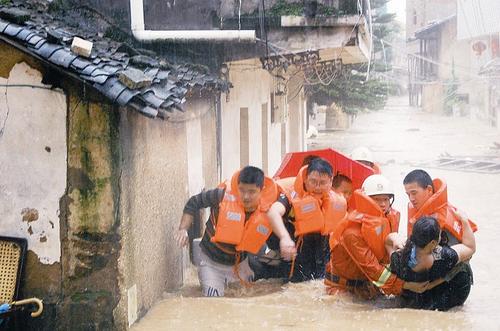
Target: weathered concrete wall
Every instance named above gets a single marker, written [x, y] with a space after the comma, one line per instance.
[252, 89]
[91, 242]
[154, 183]
[432, 97]
[32, 161]
[427, 11]
[33, 174]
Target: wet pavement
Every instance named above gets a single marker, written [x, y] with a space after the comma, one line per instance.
[401, 139]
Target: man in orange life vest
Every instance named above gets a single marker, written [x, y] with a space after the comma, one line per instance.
[358, 255]
[238, 224]
[430, 198]
[309, 213]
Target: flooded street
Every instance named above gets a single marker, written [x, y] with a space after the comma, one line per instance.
[401, 139]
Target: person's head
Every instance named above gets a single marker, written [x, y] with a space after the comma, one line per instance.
[380, 190]
[342, 185]
[308, 159]
[319, 176]
[250, 184]
[426, 233]
[363, 155]
[425, 236]
[419, 187]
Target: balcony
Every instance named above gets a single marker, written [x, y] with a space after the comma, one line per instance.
[334, 28]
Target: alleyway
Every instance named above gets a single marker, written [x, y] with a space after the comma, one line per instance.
[401, 139]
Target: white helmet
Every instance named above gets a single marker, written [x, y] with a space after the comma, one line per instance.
[362, 154]
[377, 184]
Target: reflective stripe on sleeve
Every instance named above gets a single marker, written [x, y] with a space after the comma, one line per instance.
[383, 278]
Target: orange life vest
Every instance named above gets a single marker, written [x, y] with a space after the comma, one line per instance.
[439, 207]
[374, 225]
[231, 227]
[394, 217]
[312, 214]
[286, 184]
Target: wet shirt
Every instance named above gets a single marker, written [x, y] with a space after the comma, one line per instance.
[445, 258]
[220, 253]
[313, 254]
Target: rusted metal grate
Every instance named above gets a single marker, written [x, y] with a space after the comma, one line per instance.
[464, 164]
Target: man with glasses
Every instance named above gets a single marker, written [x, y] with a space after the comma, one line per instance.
[308, 214]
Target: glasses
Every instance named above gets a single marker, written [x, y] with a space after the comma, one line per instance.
[320, 183]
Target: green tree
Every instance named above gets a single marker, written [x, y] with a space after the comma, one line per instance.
[351, 91]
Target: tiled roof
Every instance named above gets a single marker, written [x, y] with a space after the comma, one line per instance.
[432, 26]
[147, 83]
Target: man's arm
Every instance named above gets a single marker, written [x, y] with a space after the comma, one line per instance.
[376, 273]
[210, 198]
[467, 248]
[287, 245]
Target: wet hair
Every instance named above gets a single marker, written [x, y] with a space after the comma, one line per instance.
[339, 178]
[308, 159]
[425, 230]
[419, 176]
[320, 165]
[251, 175]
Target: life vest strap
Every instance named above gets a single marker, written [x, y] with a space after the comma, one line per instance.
[298, 248]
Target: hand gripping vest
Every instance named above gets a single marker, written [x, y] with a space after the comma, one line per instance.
[374, 226]
[314, 215]
[439, 207]
[231, 227]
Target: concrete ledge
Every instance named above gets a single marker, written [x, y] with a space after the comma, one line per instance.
[319, 21]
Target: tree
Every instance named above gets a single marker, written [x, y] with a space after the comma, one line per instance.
[351, 91]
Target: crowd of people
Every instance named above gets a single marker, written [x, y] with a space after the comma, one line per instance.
[317, 226]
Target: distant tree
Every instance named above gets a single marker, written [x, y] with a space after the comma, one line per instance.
[351, 90]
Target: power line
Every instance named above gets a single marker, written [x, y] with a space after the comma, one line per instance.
[433, 61]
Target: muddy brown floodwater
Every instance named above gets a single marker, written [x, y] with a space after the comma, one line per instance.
[401, 139]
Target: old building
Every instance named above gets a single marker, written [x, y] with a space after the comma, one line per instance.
[478, 28]
[99, 150]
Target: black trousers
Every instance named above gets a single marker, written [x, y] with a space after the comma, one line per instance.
[310, 262]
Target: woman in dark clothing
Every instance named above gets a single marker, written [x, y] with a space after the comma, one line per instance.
[424, 259]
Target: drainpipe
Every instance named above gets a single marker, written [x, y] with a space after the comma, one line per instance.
[137, 26]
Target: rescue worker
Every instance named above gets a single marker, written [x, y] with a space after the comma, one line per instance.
[238, 224]
[308, 214]
[358, 255]
[364, 155]
[430, 198]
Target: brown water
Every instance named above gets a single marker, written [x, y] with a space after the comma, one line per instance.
[400, 138]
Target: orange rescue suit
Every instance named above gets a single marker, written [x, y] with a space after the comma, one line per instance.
[231, 227]
[315, 214]
[358, 249]
[438, 206]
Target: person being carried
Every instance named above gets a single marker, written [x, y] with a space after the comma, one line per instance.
[308, 214]
[238, 223]
[423, 259]
[358, 256]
